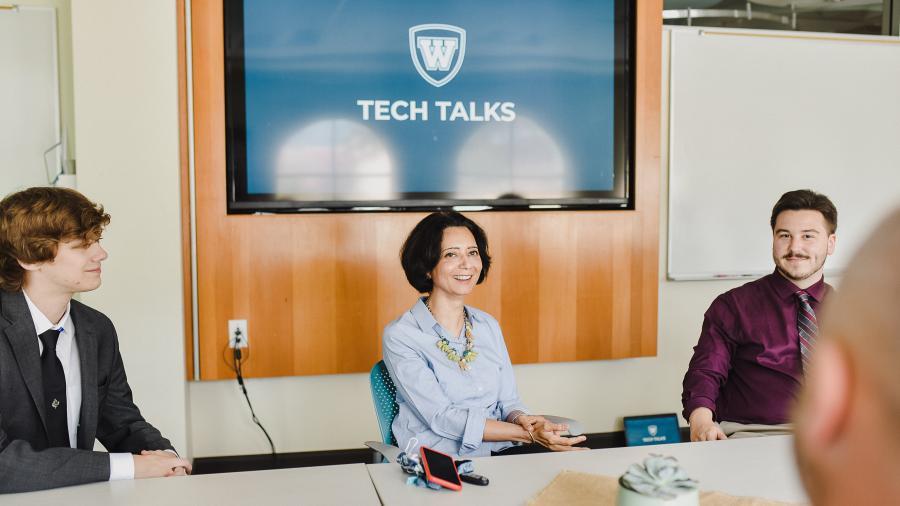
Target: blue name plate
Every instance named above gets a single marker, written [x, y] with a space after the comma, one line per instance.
[651, 430]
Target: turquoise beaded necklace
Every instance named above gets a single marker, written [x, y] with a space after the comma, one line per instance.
[443, 344]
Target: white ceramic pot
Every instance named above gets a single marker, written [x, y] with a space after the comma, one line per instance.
[631, 498]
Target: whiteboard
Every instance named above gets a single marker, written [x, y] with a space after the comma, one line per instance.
[29, 97]
[754, 114]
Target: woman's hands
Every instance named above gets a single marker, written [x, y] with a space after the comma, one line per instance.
[532, 429]
[527, 422]
[546, 433]
[549, 435]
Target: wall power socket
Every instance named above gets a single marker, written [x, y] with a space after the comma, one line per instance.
[237, 334]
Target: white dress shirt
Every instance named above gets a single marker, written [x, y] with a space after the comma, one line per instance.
[121, 465]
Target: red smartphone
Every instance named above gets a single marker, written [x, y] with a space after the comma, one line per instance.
[440, 468]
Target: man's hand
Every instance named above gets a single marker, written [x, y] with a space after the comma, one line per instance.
[159, 463]
[703, 428]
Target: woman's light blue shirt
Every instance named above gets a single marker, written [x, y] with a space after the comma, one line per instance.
[441, 405]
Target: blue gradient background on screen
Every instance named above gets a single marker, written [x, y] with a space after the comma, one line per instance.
[309, 62]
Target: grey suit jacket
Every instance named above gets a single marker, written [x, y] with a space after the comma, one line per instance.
[108, 413]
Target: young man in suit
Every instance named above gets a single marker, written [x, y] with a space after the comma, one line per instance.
[846, 438]
[62, 381]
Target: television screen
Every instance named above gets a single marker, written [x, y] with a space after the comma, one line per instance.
[414, 105]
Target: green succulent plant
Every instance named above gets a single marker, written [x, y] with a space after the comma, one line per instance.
[659, 477]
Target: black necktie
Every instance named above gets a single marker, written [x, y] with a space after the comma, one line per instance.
[54, 391]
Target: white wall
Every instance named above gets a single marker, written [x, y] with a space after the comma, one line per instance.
[126, 114]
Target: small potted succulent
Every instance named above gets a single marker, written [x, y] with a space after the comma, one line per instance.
[659, 481]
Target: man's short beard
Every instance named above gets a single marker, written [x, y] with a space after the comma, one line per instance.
[803, 276]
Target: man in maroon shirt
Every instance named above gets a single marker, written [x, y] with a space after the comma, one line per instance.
[749, 361]
[847, 442]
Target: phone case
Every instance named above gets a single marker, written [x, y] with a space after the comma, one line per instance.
[435, 479]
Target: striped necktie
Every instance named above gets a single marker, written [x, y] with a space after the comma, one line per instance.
[806, 324]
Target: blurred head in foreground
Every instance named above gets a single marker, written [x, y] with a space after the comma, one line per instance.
[847, 431]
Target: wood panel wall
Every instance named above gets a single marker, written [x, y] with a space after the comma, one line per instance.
[317, 290]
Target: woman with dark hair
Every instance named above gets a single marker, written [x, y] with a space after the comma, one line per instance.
[455, 384]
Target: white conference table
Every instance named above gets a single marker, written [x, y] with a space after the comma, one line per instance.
[761, 467]
[327, 485]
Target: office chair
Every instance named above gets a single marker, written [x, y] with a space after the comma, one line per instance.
[384, 395]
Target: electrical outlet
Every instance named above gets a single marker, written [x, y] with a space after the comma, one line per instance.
[237, 334]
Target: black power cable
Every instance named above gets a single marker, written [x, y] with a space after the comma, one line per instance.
[238, 361]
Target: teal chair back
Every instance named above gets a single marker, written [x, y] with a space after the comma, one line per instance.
[384, 395]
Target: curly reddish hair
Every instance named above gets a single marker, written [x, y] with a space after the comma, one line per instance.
[34, 221]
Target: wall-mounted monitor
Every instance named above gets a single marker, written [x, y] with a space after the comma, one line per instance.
[410, 105]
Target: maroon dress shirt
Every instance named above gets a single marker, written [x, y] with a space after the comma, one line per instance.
[746, 366]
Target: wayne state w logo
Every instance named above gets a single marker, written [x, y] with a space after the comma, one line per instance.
[437, 51]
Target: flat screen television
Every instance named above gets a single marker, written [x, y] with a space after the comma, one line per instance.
[411, 105]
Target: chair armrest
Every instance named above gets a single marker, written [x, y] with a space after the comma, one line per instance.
[389, 452]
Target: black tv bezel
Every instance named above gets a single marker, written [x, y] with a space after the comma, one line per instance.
[622, 196]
